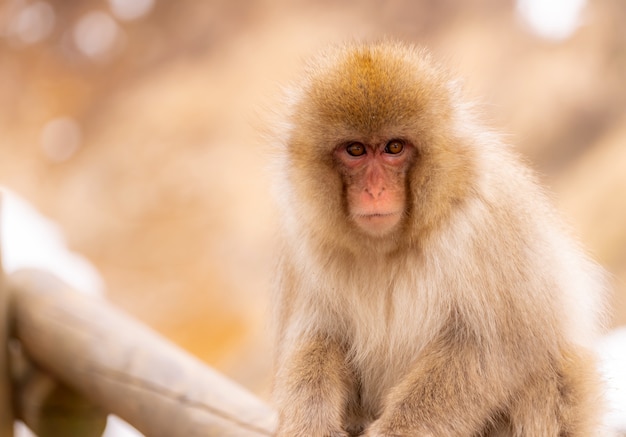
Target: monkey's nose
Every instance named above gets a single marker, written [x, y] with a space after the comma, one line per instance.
[375, 192]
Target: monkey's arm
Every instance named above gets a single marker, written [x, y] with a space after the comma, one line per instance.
[450, 391]
[312, 389]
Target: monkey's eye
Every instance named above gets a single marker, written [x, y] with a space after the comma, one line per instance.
[355, 149]
[394, 147]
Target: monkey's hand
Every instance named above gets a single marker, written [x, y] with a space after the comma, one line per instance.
[433, 397]
[312, 389]
[377, 430]
[288, 433]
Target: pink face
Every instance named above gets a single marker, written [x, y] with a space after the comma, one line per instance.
[375, 177]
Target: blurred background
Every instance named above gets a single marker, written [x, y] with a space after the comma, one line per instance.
[134, 124]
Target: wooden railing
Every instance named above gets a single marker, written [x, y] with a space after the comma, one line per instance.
[68, 359]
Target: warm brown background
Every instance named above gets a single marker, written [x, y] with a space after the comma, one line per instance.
[167, 193]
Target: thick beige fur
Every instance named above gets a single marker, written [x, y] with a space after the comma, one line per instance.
[473, 317]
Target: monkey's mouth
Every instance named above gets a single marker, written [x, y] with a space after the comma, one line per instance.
[376, 215]
[378, 223]
[379, 214]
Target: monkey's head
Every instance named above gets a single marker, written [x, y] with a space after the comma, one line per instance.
[374, 153]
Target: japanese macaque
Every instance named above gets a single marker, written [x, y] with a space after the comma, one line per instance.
[425, 285]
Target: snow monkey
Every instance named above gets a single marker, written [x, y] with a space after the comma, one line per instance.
[425, 285]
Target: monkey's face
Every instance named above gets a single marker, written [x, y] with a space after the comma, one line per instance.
[374, 176]
[373, 152]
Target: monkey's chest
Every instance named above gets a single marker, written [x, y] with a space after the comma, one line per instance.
[389, 329]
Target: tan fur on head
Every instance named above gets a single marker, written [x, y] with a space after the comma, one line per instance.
[470, 315]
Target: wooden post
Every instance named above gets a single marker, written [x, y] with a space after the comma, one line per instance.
[126, 368]
[6, 406]
[49, 407]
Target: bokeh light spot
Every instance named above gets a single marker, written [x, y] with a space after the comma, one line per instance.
[128, 10]
[95, 34]
[552, 19]
[33, 23]
[61, 138]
